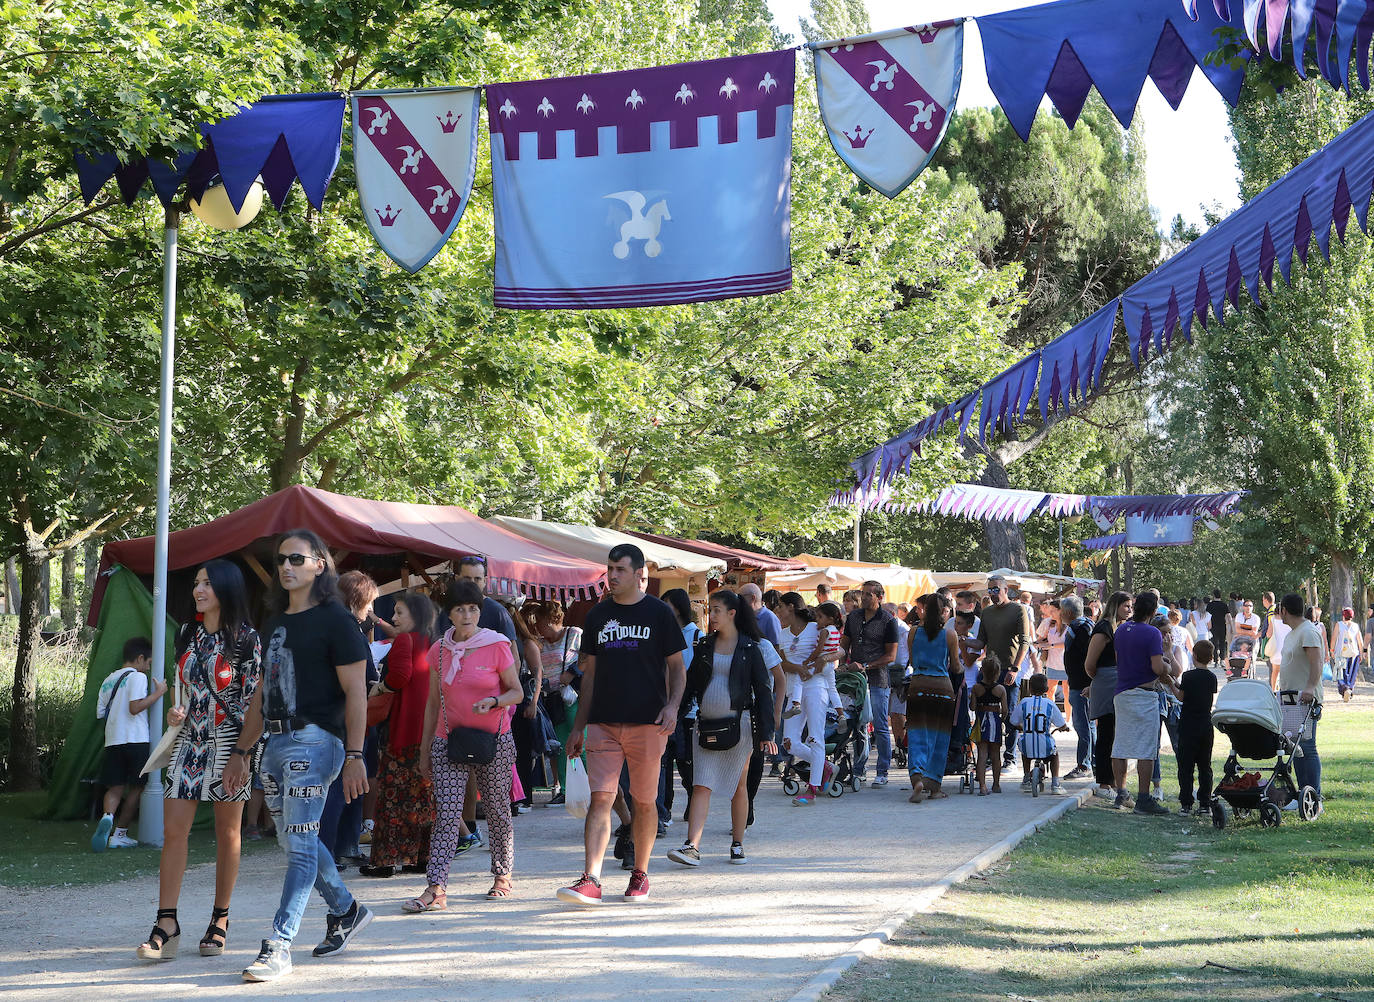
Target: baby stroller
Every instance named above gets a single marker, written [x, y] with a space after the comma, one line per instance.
[962, 760]
[1248, 713]
[843, 740]
[1240, 657]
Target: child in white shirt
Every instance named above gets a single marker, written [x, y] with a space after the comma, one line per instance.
[1038, 718]
[123, 698]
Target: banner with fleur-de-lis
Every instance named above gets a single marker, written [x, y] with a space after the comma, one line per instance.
[415, 152]
[887, 98]
[644, 187]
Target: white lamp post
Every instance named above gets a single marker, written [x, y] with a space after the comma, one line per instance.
[214, 209]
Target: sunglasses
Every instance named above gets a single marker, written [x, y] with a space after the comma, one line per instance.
[296, 559]
[994, 588]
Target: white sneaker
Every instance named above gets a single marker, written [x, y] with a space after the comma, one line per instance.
[1055, 787]
[880, 781]
[1107, 794]
[118, 841]
[1159, 793]
[1292, 805]
[1026, 785]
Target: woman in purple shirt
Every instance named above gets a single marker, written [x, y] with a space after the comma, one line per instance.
[1139, 670]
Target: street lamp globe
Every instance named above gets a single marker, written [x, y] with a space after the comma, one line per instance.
[214, 209]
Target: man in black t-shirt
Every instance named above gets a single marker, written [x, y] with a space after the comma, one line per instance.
[1077, 635]
[313, 702]
[1220, 611]
[632, 683]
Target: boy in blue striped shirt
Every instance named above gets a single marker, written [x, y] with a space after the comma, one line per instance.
[1037, 718]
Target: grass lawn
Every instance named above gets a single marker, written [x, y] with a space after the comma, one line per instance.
[1106, 905]
[58, 853]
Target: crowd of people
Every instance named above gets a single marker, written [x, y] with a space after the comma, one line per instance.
[466, 704]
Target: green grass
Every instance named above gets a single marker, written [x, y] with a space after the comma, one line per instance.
[58, 853]
[1112, 906]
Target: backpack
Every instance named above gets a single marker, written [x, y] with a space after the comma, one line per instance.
[102, 717]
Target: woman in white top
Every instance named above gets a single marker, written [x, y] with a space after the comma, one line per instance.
[1049, 638]
[800, 638]
[1347, 645]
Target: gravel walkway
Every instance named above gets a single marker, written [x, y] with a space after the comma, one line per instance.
[817, 880]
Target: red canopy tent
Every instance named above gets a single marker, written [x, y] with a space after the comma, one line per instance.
[386, 535]
[742, 566]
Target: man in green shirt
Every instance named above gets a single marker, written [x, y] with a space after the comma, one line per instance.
[1008, 632]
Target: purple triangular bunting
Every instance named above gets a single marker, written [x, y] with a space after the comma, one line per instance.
[1069, 84]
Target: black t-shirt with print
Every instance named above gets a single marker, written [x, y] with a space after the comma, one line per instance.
[300, 665]
[632, 644]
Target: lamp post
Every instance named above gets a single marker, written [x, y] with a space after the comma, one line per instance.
[214, 209]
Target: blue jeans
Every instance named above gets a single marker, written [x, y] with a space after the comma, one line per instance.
[1308, 769]
[880, 699]
[297, 768]
[1082, 727]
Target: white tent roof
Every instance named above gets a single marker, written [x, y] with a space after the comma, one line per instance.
[592, 542]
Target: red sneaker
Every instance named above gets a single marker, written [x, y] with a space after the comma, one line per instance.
[586, 891]
[639, 887]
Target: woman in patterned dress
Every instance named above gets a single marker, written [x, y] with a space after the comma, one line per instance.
[405, 801]
[219, 667]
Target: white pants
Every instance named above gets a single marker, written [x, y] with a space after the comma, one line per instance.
[815, 697]
[832, 694]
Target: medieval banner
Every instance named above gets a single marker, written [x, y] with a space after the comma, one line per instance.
[1162, 530]
[887, 98]
[416, 154]
[644, 187]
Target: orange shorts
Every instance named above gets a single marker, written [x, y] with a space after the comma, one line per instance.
[638, 745]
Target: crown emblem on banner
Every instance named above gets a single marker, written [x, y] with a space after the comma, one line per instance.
[857, 141]
[388, 216]
[449, 121]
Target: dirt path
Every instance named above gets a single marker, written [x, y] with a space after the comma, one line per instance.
[818, 879]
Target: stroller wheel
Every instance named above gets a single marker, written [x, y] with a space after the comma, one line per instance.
[1219, 813]
[1309, 804]
[835, 789]
[790, 786]
[1270, 815]
[855, 783]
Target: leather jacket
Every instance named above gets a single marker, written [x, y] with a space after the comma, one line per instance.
[749, 689]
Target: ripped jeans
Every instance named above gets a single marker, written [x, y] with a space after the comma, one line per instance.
[297, 769]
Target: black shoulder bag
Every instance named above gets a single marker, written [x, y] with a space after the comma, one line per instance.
[467, 745]
[719, 733]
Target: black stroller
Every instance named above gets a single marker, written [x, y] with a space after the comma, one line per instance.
[962, 760]
[843, 741]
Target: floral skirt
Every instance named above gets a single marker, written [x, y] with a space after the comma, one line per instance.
[405, 810]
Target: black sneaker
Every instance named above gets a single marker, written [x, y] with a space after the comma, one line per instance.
[687, 855]
[1146, 804]
[737, 853]
[340, 929]
[558, 799]
[274, 961]
[1122, 801]
[624, 843]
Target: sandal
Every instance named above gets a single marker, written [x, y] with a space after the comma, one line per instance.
[501, 888]
[160, 945]
[415, 906]
[216, 936]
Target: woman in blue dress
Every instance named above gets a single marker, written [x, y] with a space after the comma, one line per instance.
[930, 701]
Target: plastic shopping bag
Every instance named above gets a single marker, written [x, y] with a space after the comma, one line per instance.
[577, 791]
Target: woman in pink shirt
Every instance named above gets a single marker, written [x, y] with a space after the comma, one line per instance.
[473, 679]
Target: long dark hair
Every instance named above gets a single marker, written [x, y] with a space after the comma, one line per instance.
[931, 619]
[745, 621]
[326, 585]
[681, 603]
[797, 604]
[421, 610]
[1114, 601]
[226, 581]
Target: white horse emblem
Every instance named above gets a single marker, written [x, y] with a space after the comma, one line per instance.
[883, 74]
[925, 112]
[412, 159]
[1161, 530]
[641, 226]
[380, 120]
[441, 197]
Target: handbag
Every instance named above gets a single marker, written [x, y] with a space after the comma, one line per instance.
[379, 706]
[718, 733]
[161, 756]
[468, 745]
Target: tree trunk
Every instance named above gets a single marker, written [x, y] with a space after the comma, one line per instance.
[1130, 569]
[1006, 542]
[24, 770]
[1114, 577]
[69, 588]
[44, 589]
[92, 562]
[1342, 586]
[11, 587]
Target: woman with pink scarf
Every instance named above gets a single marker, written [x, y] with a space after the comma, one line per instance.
[473, 680]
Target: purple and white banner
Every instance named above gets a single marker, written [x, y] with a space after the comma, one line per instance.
[644, 187]
[887, 98]
[416, 155]
[1166, 530]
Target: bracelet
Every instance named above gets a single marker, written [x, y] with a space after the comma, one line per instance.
[240, 751]
[353, 751]
[353, 756]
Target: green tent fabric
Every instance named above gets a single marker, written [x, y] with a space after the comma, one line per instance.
[126, 612]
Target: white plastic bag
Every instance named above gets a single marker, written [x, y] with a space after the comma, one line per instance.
[577, 792]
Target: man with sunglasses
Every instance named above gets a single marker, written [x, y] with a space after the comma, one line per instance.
[313, 702]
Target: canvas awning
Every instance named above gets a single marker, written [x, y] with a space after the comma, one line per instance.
[900, 584]
[592, 542]
[734, 558]
[421, 534]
